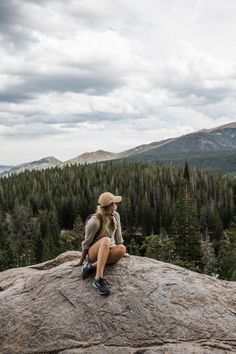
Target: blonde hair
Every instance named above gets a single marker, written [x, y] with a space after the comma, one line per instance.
[105, 212]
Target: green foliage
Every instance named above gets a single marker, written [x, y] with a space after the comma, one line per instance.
[35, 206]
[71, 239]
[50, 232]
[186, 228]
[160, 247]
[186, 172]
[227, 254]
[133, 248]
[191, 265]
[22, 231]
[78, 226]
[209, 259]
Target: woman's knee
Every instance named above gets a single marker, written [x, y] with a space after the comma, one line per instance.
[105, 241]
[93, 250]
[120, 249]
[116, 253]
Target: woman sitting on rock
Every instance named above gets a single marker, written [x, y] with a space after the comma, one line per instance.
[103, 241]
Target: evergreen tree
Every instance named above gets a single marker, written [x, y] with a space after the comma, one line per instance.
[71, 240]
[227, 254]
[23, 230]
[186, 172]
[159, 247]
[78, 226]
[151, 201]
[209, 258]
[217, 233]
[50, 231]
[133, 248]
[186, 226]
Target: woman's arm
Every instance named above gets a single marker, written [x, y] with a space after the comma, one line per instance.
[79, 261]
[118, 234]
[91, 228]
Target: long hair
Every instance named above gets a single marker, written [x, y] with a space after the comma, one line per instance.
[105, 212]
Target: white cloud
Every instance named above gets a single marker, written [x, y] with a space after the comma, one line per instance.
[72, 74]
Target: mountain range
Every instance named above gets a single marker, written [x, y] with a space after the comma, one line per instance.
[211, 149]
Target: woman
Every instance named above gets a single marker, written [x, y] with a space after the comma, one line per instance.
[107, 247]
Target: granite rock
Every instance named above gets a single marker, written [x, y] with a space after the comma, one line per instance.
[153, 307]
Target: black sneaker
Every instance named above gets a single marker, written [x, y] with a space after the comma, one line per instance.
[101, 285]
[87, 269]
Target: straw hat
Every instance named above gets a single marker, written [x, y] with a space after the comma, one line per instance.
[107, 198]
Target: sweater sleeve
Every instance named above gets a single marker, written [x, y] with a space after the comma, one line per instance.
[118, 234]
[91, 228]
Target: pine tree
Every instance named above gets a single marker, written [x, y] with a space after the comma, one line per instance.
[23, 230]
[227, 254]
[78, 226]
[133, 247]
[217, 231]
[208, 258]
[151, 193]
[160, 247]
[186, 172]
[50, 231]
[186, 225]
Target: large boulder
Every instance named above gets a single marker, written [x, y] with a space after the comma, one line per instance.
[153, 307]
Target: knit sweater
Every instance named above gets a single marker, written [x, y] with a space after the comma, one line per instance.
[92, 227]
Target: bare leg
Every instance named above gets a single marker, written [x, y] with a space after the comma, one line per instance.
[114, 255]
[95, 264]
[100, 250]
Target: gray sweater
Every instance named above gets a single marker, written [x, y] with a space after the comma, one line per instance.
[92, 227]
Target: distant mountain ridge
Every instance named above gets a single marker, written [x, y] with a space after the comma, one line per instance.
[225, 126]
[5, 168]
[205, 148]
[91, 157]
[46, 162]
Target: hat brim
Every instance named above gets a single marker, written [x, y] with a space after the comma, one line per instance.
[117, 199]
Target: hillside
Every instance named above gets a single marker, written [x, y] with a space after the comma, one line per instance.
[5, 167]
[91, 157]
[211, 149]
[44, 163]
[222, 161]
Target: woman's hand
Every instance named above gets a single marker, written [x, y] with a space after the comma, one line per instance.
[77, 262]
[80, 261]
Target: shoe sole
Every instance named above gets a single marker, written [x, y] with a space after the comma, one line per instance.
[95, 286]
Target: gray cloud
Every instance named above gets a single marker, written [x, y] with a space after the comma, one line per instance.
[68, 121]
[35, 131]
[150, 69]
[15, 96]
[89, 83]
[15, 31]
[8, 12]
[205, 95]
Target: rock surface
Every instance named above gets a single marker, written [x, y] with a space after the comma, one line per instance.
[153, 307]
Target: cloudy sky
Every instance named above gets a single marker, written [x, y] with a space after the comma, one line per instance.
[83, 75]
